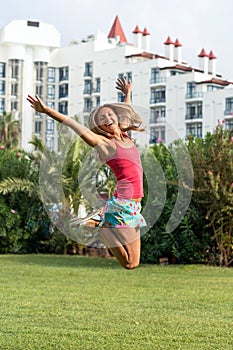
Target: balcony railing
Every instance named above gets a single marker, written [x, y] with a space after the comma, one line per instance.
[194, 95]
[87, 91]
[228, 112]
[193, 116]
[157, 80]
[157, 100]
[88, 73]
[155, 120]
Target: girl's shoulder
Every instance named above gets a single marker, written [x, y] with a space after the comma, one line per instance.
[106, 148]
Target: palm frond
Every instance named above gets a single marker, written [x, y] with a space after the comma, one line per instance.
[10, 185]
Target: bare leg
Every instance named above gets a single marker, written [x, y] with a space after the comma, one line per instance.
[125, 245]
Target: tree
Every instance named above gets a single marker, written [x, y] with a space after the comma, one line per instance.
[212, 159]
[9, 130]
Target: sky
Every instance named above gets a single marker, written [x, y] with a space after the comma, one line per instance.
[196, 23]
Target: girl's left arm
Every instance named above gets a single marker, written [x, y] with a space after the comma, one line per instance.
[125, 87]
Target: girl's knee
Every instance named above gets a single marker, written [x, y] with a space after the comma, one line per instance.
[131, 265]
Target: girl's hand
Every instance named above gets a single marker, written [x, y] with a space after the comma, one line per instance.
[37, 104]
[124, 86]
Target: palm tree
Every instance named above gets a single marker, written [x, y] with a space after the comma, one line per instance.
[9, 130]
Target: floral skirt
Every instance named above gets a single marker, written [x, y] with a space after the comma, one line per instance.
[123, 213]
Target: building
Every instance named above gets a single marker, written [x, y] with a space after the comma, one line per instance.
[173, 98]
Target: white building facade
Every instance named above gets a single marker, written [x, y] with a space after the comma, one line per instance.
[173, 98]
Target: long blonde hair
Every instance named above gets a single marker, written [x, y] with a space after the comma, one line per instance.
[124, 112]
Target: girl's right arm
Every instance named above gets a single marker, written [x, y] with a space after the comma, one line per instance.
[87, 135]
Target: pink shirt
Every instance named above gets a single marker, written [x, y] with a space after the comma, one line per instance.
[127, 168]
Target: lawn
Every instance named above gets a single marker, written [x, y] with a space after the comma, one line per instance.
[72, 302]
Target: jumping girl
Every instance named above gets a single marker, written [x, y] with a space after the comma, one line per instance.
[109, 125]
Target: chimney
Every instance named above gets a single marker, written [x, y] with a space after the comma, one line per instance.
[212, 63]
[169, 49]
[204, 61]
[145, 40]
[137, 37]
[178, 51]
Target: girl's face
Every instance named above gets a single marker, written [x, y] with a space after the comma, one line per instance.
[107, 120]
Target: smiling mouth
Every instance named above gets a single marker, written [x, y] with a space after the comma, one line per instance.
[110, 124]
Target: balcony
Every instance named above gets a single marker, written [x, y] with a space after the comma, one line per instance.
[193, 116]
[194, 95]
[88, 74]
[158, 80]
[228, 112]
[154, 100]
[87, 91]
[157, 120]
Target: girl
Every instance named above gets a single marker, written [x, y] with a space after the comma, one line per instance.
[108, 134]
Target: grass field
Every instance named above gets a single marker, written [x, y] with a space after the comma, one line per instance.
[73, 302]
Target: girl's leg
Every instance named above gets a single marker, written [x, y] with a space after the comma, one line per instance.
[125, 244]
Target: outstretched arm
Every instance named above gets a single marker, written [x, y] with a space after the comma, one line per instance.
[125, 87]
[87, 135]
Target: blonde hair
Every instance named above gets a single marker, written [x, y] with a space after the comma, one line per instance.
[124, 112]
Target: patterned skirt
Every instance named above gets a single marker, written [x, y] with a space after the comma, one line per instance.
[123, 213]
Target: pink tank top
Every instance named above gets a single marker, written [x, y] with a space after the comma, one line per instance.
[127, 168]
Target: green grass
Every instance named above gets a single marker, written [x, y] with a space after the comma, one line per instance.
[72, 302]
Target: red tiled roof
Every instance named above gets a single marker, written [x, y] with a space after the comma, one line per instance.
[117, 30]
[215, 81]
[168, 41]
[179, 67]
[137, 30]
[148, 55]
[203, 53]
[145, 32]
[212, 55]
[177, 43]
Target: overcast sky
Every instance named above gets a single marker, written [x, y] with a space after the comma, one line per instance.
[196, 23]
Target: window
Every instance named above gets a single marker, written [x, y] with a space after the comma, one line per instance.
[129, 76]
[51, 104]
[87, 104]
[120, 97]
[2, 105]
[157, 114]
[50, 143]
[14, 89]
[97, 84]
[14, 105]
[39, 90]
[88, 69]
[158, 95]
[63, 90]
[121, 75]
[213, 87]
[229, 105]
[63, 73]
[51, 92]
[191, 89]
[87, 87]
[2, 87]
[97, 101]
[194, 129]
[193, 110]
[51, 75]
[49, 126]
[229, 124]
[14, 68]
[157, 134]
[38, 127]
[2, 70]
[154, 75]
[63, 107]
[40, 71]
